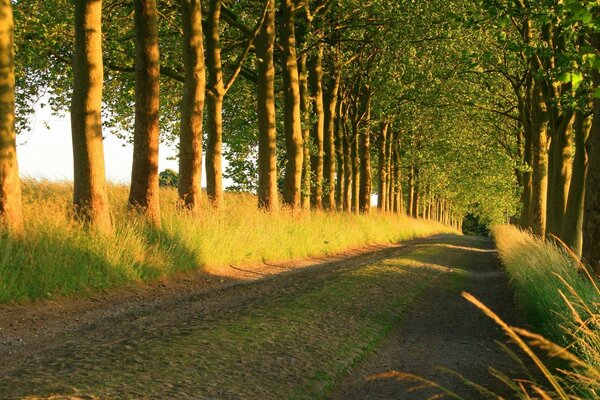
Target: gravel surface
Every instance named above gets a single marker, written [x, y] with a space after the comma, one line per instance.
[290, 330]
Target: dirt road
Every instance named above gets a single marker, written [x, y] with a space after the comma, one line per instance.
[316, 331]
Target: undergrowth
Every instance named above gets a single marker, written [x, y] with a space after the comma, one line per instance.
[58, 257]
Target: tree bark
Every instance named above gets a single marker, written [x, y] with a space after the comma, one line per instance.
[416, 194]
[540, 162]
[340, 160]
[306, 133]
[214, 99]
[267, 135]
[591, 223]
[11, 214]
[90, 198]
[365, 171]
[144, 173]
[291, 101]
[331, 98]
[192, 106]
[355, 170]
[316, 91]
[558, 185]
[348, 160]
[410, 191]
[573, 221]
[382, 198]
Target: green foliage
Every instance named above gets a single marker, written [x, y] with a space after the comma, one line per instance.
[168, 178]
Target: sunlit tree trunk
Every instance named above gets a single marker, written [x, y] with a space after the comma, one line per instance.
[558, 185]
[573, 221]
[365, 171]
[540, 162]
[90, 198]
[591, 223]
[305, 109]
[355, 170]
[339, 158]
[398, 206]
[11, 214]
[331, 98]
[144, 173]
[382, 198]
[267, 161]
[348, 173]
[410, 192]
[315, 77]
[291, 101]
[214, 99]
[390, 168]
[416, 194]
[192, 106]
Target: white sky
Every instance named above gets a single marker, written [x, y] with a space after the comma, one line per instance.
[47, 153]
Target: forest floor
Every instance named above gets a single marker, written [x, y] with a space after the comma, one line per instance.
[319, 328]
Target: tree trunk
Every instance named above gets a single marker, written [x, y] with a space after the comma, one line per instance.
[192, 106]
[348, 160]
[398, 206]
[525, 219]
[214, 100]
[591, 223]
[331, 98]
[410, 191]
[355, 171]
[365, 171]
[339, 158]
[558, 186]
[390, 168]
[144, 172]
[267, 136]
[316, 88]
[11, 215]
[291, 102]
[416, 194]
[573, 221]
[382, 198]
[540, 162]
[90, 198]
[305, 109]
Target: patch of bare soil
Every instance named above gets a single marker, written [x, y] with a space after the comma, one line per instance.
[443, 332]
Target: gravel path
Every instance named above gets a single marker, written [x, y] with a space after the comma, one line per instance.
[444, 332]
[290, 332]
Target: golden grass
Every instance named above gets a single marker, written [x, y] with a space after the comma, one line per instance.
[58, 257]
[563, 300]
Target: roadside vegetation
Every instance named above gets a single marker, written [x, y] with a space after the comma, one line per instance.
[56, 257]
[561, 299]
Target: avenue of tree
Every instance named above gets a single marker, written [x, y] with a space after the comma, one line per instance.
[441, 108]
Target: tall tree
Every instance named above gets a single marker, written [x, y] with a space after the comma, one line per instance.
[591, 224]
[192, 105]
[11, 216]
[291, 101]
[267, 135]
[216, 92]
[316, 88]
[143, 195]
[89, 195]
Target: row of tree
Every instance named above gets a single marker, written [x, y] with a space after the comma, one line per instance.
[439, 107]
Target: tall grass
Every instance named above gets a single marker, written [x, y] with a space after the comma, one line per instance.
[562, 300]
[57, 257]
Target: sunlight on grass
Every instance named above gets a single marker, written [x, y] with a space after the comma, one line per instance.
[57, 257]
[562, 299]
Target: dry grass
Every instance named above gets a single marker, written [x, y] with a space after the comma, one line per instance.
[57, 257]
[562, 299]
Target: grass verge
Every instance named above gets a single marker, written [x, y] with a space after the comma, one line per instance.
[562, 300]
[57, 257]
